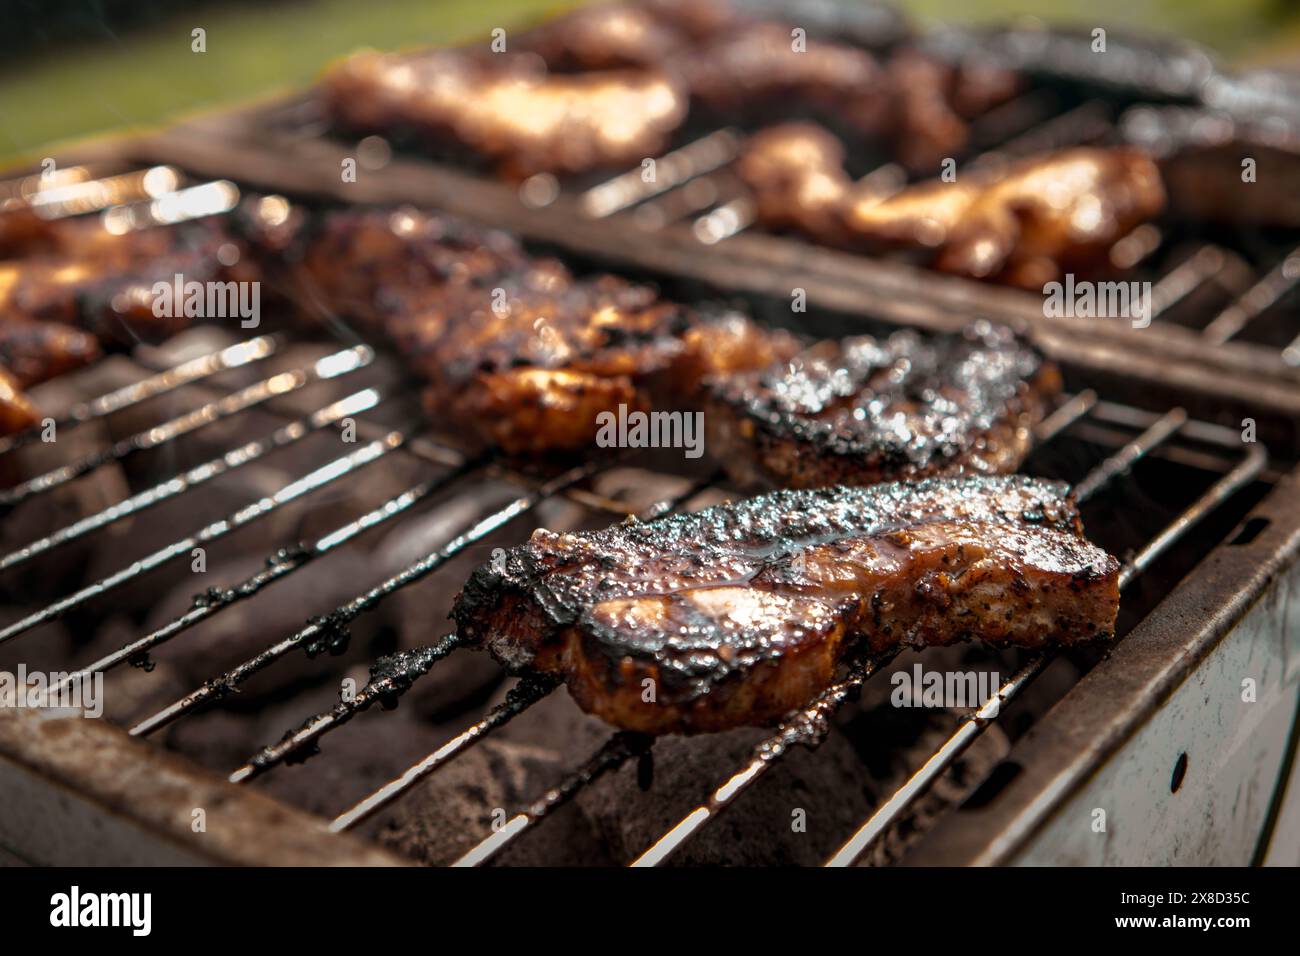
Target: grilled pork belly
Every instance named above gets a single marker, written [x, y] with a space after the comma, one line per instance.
[518, 352]
[861, 411]
[739, 613]
[1025, 226]
[502, 110]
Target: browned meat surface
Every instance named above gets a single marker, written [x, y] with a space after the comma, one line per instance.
[739, 613]
[757, 68]
[21, 229]
[103, 281]
[1038, 219]
[517, 351]
[607, 85]
[861, 411]
[36, 351]
[1025, 226]
[75, 285]
[796, 173]
[523, 120]
[606, 36]
[16, 410]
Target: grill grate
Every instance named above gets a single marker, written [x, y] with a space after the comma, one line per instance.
[459, 477]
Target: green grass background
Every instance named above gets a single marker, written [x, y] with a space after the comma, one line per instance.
[142, 77]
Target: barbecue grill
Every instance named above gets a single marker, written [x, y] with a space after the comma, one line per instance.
[176, 431]
[288, 485]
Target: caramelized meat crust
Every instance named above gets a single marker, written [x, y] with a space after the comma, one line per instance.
[16, 410]
[608, 85]
[36, 351]
[739, 613]
[862, 411]
[1024, 226]
[76, 285]
[519, 352]
[758, 67]
[524, 121]
[103, 281]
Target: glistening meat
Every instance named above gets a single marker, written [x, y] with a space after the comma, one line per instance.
[738, 613]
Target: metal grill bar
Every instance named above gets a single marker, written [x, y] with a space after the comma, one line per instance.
[807, 727]
[334, 624]
[235, 356]
[1207, 263]
[671, 170]
[1261, 296]
[178, 484]
[283, 563]
[79, 197]
[1119, 463]
[332, 366]
[973, 726]
[317, 479]
[391, 679]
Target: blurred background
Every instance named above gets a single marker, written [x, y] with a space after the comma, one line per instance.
[73, 68]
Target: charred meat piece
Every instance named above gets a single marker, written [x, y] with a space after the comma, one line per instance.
[796, 172]
[750, 72]
[536, 375]
[1053, 214]
[83, 285]
[36, 351]
[739, 613]
[394, 257]
[1023, 226]
[608, 85]
[606, 36]
[21, 229]
[521, 354]
[16, 410]
[104, 281]
[861, 411]
[1041, 217]
[523, 121]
